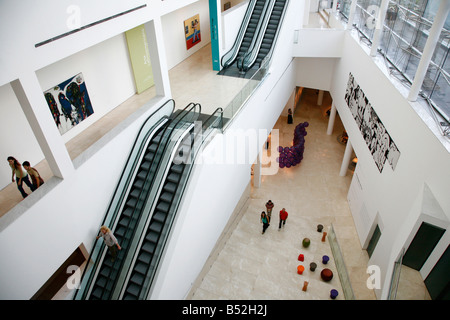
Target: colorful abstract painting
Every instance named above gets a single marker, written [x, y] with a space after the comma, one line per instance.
[69, 103]
[192, 31]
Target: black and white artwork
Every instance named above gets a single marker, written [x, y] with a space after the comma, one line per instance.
[378, 140]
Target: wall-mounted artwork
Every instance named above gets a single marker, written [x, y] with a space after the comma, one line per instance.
[69, 103]
[378, 140]
[192, 31]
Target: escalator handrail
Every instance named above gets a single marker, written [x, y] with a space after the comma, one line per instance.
[147, 140]
[272, 48]
[252, 53]
[231, 55]
[100, 257]
[117, 190]
[154, 167]
[167, 130]
[180, 192]
[152, 209]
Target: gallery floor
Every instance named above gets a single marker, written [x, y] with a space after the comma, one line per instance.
[265, 266]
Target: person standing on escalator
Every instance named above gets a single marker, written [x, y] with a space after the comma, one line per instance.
[110, 241]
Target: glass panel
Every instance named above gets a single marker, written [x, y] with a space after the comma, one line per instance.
[405, 34]
[340, 265]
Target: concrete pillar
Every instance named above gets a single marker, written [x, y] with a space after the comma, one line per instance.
[381, 16]
[257, 172]
[351, 15]
[335, 2]
[306, 12]
[331, 119]
[320, 98]
[30, 96]
[433, 37]
[347, 158]
[158, 58]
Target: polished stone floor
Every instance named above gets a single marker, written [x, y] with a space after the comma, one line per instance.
[252, 265]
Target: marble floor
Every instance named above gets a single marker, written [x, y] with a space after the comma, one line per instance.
[252, 265]
[264, 266]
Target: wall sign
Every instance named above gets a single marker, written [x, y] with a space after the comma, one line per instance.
[140, 58]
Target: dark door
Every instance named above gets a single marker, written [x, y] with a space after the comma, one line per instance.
[373, 241]
[423, 243]
[438, 281]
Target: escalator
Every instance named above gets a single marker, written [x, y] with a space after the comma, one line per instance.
[266, 44]
[154, 238]
[131, 213]
[138, 189]
[247, 32]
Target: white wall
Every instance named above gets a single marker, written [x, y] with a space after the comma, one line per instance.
[231, 23]
[173, 31]
[391, 194]
[206, 213]
[319, 43]
[101, 56]
[315, 73]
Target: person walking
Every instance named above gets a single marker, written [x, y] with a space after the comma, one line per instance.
[21, 176]
[265, 221]
[110, 241]
[269, 207]
[36, 178]
[283, 217]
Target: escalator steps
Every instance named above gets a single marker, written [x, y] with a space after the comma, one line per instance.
[163, 207]
[159, 216]
[173, 177]
[178, 168]
[133, 289]
[138, 279]
[97, 293]
[156, 226]
[167, 196]
[145, 257]
[149, 247]
[151, 237]
[170, 187]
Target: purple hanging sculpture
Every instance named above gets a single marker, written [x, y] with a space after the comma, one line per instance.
[291, 156]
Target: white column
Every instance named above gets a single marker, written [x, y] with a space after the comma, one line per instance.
[433, 37]
[351, 15]
[379, 23]
[158, 58]
[335, 2]
[320, 98]
[347, 158]
[257, 172]
[306, 12]
[30, 96]
[331, 119]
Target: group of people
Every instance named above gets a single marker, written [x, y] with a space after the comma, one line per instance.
[23, 172]
[265, 217]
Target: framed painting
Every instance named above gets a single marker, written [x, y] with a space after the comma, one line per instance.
[192, 31]
[69, 103]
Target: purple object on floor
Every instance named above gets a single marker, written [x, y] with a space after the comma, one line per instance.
[333, 293]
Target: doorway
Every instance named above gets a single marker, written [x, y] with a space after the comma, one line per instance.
[438, 281]
[374, 240]
[422, 245]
